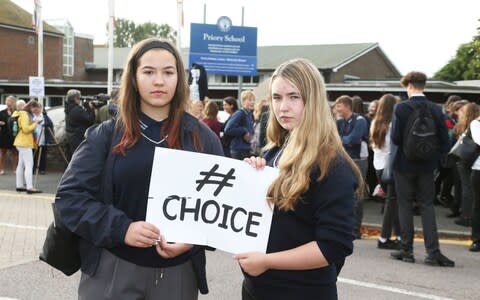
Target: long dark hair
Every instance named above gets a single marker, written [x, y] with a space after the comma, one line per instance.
[382, 120]
[129, 98]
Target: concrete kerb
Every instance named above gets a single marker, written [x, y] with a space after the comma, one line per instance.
[442, 234]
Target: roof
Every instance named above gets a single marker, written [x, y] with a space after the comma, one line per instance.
[13, 15]
[332, 56]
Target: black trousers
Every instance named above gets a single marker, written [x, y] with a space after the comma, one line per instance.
[475, 178]
[390, 211]
[419, 186]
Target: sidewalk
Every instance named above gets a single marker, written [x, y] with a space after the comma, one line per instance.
[25, 218]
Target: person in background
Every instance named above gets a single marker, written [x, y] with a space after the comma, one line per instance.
[475, 181]
[25, 144]
[6, 136]
[44, 137]
[466, 115]
[313, 219]
[258, 143]
[240, 127]
[109, 110]
[103, 195]
[372, 109]
[445, 180]
[197, 107]
[230, 106]
[381, 144]
[211, 117]
[77, 119]
[353, 129]
[414, 178]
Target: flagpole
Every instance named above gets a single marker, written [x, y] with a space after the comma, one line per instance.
[40, 42]
[111, 5]
[179, 24]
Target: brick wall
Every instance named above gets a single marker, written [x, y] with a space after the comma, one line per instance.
[83, 53]
[19, 57]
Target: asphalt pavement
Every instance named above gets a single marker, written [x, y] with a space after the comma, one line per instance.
[25, 218]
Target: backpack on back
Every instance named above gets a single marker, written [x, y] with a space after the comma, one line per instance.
[13, 126]
[420, 140]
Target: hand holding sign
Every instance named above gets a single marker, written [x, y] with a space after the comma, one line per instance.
[210, 200]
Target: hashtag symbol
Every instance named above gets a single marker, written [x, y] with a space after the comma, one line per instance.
[221, 183]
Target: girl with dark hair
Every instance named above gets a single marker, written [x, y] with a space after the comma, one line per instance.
[381, 145]
[102, 197]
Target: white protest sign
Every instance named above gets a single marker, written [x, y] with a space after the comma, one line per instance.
[36, 86]
[210, 200]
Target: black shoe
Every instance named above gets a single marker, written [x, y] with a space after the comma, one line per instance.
[33, 191]
[21, 189]
[389, 245]
[475, 247]
[403, 255]
[462, 221]
[438, 259]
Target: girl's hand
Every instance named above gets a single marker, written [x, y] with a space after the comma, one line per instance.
[252, 263]
[141, 234]
[171, 250]
[256, 162]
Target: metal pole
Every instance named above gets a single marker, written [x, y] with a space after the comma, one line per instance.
[240, 77]
[179, 24]
[40, 44]
[205, 13]
[111, 13]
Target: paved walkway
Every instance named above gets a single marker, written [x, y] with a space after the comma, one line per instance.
[25, 218]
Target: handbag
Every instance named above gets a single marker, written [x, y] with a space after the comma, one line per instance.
[387, 174]
[60, 249]
[465, 149]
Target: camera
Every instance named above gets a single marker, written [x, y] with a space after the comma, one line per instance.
[96, 100]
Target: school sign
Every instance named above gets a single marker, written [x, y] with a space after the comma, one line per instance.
[223, 48]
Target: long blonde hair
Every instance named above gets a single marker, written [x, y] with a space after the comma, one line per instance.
[314, 143]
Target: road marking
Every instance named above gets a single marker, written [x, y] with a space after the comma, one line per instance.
[390, 289]
[22, 227]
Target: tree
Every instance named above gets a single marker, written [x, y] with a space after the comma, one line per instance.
[466, 63]
[127, 33]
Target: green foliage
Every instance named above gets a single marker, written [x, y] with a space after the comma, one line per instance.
[127, 33]
[466, 63]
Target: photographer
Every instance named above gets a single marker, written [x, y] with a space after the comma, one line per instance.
[77, 119]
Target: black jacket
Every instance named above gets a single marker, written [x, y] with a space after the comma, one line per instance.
[85, 193]
[77, 120]
[401, 114]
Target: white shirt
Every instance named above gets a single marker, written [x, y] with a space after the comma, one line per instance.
[380, 155]
[475, 130]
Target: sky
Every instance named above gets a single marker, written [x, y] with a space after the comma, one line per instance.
[414, 34]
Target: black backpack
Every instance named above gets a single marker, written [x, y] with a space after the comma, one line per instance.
[13, 126]
[420, 140]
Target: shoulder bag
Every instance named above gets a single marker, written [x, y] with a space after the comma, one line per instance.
[465, 149]
[60, 248]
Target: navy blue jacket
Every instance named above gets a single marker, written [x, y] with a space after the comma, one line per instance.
[352, 132]
[325, 214]
[85, 193]
[402, 112]
[240, 123]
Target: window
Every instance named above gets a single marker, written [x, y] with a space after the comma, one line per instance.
[68, 50]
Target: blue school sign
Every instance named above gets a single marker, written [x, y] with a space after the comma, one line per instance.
[223, 48]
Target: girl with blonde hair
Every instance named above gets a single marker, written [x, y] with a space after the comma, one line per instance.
[313, 196]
